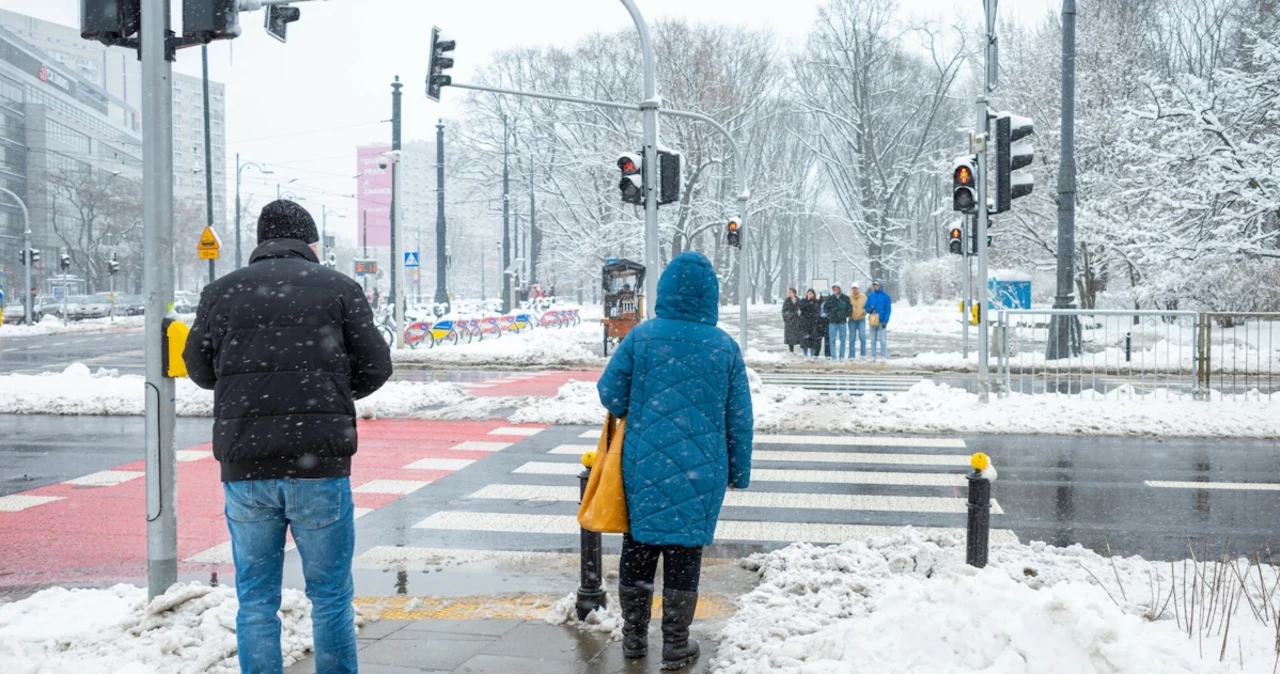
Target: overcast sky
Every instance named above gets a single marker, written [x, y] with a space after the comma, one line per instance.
[302, 107]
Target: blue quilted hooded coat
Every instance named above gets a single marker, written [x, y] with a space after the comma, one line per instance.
[683, 386]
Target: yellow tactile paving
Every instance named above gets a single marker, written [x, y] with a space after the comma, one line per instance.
[499, 607]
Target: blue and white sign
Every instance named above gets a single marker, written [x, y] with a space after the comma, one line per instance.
[411, 258]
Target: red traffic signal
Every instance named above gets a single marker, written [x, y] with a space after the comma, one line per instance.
[955, 244]
[733, 233]
[964, 194]
[632, 184]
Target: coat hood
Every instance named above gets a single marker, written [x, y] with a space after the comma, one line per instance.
[274, 249]
[689, 290]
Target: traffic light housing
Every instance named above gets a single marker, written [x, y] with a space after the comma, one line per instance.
[278, 18]
[35, 255]
[64, 261]
[22, 257]
[733, 233]
[964, 184]
[113, 265]
[670, 176]
[1011, 156]
[439, 63]
[632, 183]
[209, 20]
[955, 241]
[109, 21]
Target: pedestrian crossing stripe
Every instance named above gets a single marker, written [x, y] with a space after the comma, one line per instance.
[783, 475]
[845, 441]
[759, 499]
[1242, 486]
[863, 457]
[726, 530]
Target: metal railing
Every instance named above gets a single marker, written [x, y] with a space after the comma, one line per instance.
[1173, 355]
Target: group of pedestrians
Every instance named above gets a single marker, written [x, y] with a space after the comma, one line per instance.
[837, 325]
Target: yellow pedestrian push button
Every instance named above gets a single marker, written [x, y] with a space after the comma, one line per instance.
[175, 340]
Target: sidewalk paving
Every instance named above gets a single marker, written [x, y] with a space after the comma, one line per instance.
[441, 646]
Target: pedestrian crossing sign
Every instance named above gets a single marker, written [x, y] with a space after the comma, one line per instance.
[209, 245]
[411, 258]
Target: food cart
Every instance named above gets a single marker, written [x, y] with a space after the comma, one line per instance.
[623, 284]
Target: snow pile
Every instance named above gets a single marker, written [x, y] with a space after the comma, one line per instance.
[908, 604]
[606, 620]
[78, 391]
[191, 628]
[577, 403]
[538, 347]
[52, 325]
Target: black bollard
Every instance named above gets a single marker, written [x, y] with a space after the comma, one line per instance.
[979, 525]
[1128, 347]
[591, 595]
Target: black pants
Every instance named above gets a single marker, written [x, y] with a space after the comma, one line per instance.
[681, 566]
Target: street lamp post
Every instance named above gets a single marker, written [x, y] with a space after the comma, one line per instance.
[26, 254]
[240, 167]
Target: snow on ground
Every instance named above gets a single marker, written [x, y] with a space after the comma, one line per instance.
[53, 326]
[907, 604]
[538, 347]
[606, 620]
[930, 408]
[78, 391]
[191, 628]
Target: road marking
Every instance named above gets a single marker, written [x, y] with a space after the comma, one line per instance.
[575, 450]
[478, 446]
[777, 532]
[439, 464]
[1242, 486]
[858, 441]
[221, 553]
[510, 430]
[399, 487]
[548, 468]
[593, 435]
[106, 478]
[861, 457]
[14, 503]
[758, 499]
[784, 475]
[193, 454]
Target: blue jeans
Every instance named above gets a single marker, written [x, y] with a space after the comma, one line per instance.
[858, 337]
[321, 517]
[838, 335]
[880, 337]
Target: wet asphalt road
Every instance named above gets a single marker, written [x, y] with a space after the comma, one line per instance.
[1062, 490]
[123, 351]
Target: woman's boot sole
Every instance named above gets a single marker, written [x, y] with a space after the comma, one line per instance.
[668, 665]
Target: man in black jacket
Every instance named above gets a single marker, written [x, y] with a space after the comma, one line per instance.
[287, 345]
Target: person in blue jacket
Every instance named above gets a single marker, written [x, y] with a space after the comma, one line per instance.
[682, 384]
[880, 304]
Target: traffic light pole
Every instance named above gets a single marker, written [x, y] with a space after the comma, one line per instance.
[26, 256]
[442, 263]
[984, 335]
[208, 152]
[1064, 329]
[157, 216]
[649, 111]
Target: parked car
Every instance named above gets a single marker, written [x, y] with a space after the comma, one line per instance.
[131, 305]
[81, 307]
[17, 313]
[185, 304]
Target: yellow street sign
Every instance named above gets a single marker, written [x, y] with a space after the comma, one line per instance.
[209, 240]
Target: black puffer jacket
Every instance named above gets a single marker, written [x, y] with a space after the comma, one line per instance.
[287, 345]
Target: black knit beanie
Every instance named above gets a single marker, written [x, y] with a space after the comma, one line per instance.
[284, 219]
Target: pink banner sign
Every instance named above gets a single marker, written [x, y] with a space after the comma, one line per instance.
[374, 197]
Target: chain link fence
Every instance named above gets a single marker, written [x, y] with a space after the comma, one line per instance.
[1172, 355]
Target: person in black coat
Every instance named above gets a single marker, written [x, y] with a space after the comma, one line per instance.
[792, 333]
[812, 325]
[288, 345]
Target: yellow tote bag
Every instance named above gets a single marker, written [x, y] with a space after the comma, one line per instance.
[604, 505]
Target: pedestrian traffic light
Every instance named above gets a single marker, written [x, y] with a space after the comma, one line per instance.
[109, 21]
[278, 18]
[113, 265]
[64, 261]
[955, 244]
[1011, 156]
[35, 255]
[209, 20]
[964, 192]
[436, 79]
[670, 176]
[632, 184]
[22, 257]
[733, 233]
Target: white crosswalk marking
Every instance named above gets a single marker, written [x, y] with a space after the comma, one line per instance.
[521, 432]
[728, 530]
[14, 503]
[574, 450]
[439, 464]
[862, 457]
[107, 478]
[858, 441]
[479, 446]
[1242, 486]
[755, 499]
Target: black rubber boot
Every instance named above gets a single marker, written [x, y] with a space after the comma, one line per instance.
[637, 606]
[678, 650]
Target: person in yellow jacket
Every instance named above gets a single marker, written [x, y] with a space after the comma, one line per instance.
[858, 322]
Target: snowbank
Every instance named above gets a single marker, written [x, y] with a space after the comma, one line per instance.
[908, 604]
[78, 392]
[191, 628]
[606, 620]
[52, 325]
[538, 348]
[930, 408]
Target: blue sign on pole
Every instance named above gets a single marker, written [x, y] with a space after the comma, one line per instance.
[411, 258]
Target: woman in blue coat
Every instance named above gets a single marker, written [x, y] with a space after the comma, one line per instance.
[682, 384]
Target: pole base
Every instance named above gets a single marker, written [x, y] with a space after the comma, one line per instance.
[590, 600]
